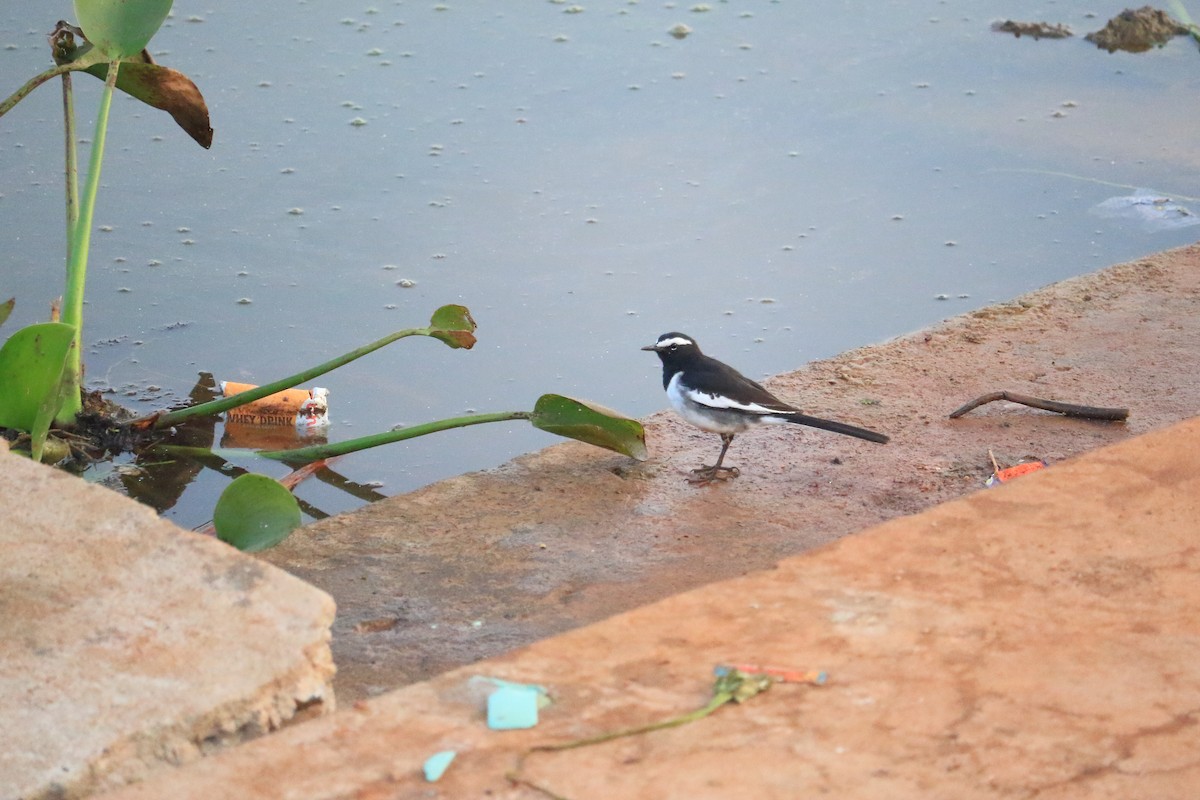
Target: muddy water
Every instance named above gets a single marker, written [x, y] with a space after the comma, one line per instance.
[785, 182]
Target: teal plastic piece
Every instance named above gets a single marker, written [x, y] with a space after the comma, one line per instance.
[512, 707]
[436, 764]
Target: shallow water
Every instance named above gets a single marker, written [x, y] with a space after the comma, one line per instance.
[787, 182]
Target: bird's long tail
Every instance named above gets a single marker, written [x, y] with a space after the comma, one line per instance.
[837, 427]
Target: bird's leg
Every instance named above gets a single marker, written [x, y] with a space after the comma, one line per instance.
[716, 472]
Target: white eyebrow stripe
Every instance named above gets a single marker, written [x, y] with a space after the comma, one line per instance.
[679, 340]
[717, 401]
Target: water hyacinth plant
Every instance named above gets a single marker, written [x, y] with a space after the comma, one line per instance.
[44, 362]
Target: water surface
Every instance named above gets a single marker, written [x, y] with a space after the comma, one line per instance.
[788, 181]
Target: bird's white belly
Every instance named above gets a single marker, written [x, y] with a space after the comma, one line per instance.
[708, 418]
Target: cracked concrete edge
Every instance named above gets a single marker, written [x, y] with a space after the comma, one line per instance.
[128, 645]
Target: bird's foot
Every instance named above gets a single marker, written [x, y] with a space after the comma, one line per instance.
[706, 475]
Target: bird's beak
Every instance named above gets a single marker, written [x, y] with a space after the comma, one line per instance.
[651, 347]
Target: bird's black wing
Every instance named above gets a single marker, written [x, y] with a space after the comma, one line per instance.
[737, 391]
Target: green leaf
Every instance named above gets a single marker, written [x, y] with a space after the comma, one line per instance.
[454, 326]
[6, 308]
[255, 512]
[31, 369]
[121, 28]
[576, 419]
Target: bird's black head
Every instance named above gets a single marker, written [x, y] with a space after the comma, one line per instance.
[674, 347]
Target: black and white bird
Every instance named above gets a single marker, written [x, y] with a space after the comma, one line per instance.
[717, 398]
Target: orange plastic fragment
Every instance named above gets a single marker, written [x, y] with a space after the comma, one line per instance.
[1003, 475]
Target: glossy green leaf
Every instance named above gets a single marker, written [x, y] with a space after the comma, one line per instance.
[576, 419]
[6, 308]
[255, 512]
[121, 28]
[31, 369]
[454, 326]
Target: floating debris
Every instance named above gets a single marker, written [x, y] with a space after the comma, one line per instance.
[680, 31]
[1155, 212]
[1036, 30]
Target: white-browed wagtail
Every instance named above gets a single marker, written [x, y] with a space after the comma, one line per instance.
[715, 397]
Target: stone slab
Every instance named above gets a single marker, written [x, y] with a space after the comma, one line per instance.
[1039, 639]
[127, 644]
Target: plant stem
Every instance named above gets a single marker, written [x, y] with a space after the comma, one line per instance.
[305, 454]
[302, 455]
[163, 420]
[515, 775]
[716, 702]
[33, 83]
[80, 240]
[71, 160]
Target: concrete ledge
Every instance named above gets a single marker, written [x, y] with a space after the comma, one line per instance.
[1036, 640]
[127, 644]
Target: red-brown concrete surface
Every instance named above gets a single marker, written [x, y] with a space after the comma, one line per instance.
[1037, 640]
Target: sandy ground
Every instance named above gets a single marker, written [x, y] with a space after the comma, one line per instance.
[480, 564]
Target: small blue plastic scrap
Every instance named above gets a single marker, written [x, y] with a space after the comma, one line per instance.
[512, 707]
[437, 763]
